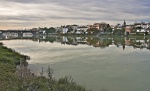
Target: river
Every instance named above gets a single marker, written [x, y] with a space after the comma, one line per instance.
[98, 63]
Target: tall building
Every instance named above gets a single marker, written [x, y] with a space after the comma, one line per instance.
[124, 24]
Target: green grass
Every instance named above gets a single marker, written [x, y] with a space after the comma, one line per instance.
[8, 59]
[19, 78]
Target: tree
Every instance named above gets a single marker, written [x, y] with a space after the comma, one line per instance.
[50, 30]
[109, 29]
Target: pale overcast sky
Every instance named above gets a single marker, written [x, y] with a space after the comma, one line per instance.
[16, 14]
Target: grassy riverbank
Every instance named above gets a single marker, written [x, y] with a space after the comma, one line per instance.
[15, 76]
[8, 60]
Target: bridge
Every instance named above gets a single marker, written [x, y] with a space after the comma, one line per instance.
[20, 33]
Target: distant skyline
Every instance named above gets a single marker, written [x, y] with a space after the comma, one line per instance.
[17, 14]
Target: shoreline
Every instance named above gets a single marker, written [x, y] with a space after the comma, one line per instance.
[15, 76]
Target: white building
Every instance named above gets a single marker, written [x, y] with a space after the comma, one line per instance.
[142, 27]
[62, 30]
[27, 35]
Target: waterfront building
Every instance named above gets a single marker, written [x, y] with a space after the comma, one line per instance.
[82, 30]
[141, 27]
[27, 35]
[100, 26]
[128, 29]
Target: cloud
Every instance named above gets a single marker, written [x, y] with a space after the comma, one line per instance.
[60, 12]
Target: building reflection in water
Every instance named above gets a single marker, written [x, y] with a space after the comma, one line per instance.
[94, 41]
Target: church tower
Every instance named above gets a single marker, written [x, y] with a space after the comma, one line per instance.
[124, 24]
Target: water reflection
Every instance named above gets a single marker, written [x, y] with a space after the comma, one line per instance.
[93, 61]
[94, 41]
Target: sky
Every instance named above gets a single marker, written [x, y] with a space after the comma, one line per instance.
[20, 14]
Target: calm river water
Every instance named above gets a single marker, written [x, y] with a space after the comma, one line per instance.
[111, 64]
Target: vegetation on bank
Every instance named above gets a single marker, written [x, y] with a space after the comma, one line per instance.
[8, 60]
[49, 30]
[15, 76]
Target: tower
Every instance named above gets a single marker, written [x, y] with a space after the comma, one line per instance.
[124, 24]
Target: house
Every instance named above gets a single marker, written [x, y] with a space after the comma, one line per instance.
[27, 34]
[118, 27]
[96, 25]
[128, 29]
[100, 26]
[62, 30]
[81, 30]
[74, 28]
[142, 27]
[42, 31]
